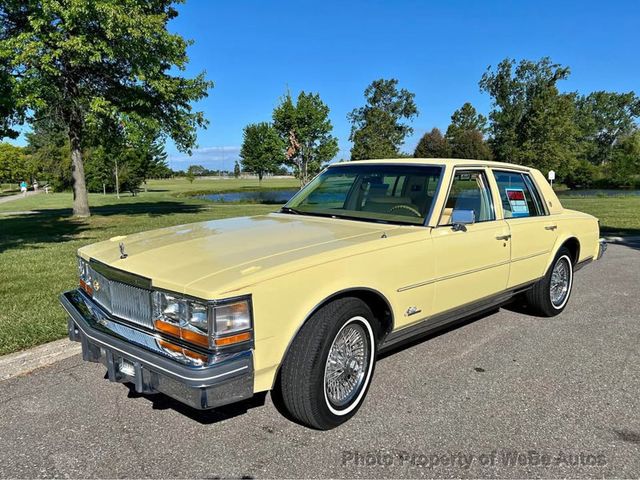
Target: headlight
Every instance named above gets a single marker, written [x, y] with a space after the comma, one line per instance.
[181, 317]
[84, 276]
[202, 323]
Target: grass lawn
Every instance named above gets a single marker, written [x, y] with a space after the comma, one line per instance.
[38, 246]
[37, 250]
[618, 215]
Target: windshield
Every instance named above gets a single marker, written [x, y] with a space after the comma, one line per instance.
[376, 193]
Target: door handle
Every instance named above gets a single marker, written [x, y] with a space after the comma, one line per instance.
[503, 237]
[550, 227]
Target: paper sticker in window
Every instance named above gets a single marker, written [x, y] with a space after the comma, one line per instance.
[518, 202]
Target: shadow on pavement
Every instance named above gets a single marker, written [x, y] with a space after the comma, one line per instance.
[160, 401]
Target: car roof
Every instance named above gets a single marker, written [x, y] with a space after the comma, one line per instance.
[455, 162]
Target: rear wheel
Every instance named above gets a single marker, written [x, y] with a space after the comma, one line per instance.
[329, 366]
[550, 295]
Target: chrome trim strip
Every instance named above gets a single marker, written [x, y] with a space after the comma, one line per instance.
[516, 168]
[453, 275]
[118, 275]
[428, 324]
[526, 257]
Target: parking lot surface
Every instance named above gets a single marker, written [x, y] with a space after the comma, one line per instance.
[507, 395]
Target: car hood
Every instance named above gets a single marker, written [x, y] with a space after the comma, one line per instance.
[206, 258]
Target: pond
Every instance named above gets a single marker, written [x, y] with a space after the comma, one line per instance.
[597, 193]
[282, 196]
[276, 197]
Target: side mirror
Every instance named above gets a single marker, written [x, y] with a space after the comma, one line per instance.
[461, 218]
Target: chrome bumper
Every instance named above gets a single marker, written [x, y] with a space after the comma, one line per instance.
[136, 356]
[602, 248]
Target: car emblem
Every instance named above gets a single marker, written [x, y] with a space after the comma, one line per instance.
[96, 285]
[123, 254]
[412, 311]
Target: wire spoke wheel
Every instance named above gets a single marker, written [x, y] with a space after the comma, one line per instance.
[560, 282]
[346, 365]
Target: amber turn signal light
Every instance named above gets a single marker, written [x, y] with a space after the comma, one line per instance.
[183, 351]
[86, 287]
[183, 333]
[230, 340]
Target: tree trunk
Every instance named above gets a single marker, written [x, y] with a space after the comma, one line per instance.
[80, 196]
[117, 181]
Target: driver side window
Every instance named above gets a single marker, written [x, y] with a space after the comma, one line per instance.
[469, 191]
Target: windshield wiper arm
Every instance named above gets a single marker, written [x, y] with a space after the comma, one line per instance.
[290, 210]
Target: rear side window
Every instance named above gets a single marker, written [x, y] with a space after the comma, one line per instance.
[518, 195]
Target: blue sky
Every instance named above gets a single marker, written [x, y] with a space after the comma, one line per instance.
[255, 50]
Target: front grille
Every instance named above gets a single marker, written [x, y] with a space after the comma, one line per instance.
[123, 301]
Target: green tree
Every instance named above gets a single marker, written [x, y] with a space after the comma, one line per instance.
[236, 170]
[48, 146]
[378, 129]
[158, 160]
[624, 166]
[532, 123]
[262, 149]
[604, 118]
[85, 60]
[13, 163]
[190, 176]
[432, 145]
[465, 134]
[305, 129]
[197, 170]
[9, 114]
[470, 144]
[467, 118]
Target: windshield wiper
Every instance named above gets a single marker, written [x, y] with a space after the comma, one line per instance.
[286, 209]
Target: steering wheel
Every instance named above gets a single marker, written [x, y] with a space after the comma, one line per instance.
[406, 207]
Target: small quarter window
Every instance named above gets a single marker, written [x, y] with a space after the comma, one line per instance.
[518, 195]
[469, 191]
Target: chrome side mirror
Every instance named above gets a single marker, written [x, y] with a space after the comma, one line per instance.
[461, 218]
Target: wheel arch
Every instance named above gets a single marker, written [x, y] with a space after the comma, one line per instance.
[572, 243]
[379, 304]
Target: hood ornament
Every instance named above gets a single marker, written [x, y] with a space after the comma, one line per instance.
[123, 254]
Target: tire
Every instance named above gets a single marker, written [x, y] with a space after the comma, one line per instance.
[304, 390]
[541, 298]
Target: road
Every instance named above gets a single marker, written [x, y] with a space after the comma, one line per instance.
[455, 405]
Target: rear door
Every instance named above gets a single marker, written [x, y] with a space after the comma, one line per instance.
[533, 231]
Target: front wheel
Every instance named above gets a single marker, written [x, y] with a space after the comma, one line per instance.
[550, 295]
[327, 371]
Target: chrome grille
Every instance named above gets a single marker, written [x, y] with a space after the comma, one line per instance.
[124, 301]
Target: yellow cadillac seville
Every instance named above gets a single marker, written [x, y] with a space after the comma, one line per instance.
[368, 255]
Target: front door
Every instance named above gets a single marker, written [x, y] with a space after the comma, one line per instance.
[533, 232]
[473, 264]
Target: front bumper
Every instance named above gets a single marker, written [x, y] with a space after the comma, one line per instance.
[136, 356]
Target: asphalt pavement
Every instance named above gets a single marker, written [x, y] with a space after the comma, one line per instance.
[507, 395]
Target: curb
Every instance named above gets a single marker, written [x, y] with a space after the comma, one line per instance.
[26, 361]
[620, 240]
